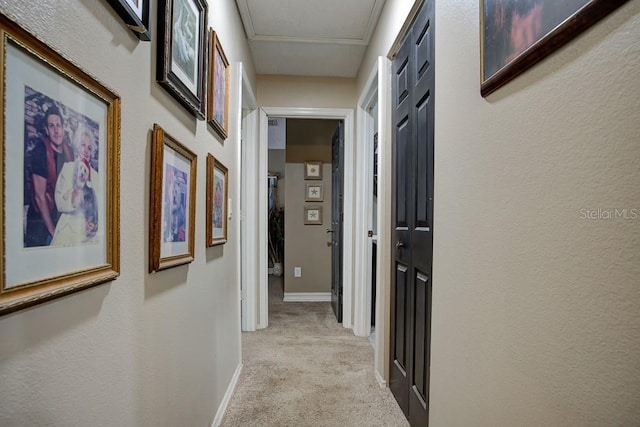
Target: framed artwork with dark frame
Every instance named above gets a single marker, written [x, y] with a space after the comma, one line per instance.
[516, 34]
[60, 148]
[313, 192]
[182, 46]
[172, 210]
[218, 87]
[217, 195]
[313, 169]
[313, 215]
[134, 13]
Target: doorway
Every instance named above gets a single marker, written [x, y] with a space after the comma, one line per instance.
[346, 115]
[337, 220]
[300, 161]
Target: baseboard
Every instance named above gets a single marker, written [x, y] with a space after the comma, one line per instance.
[381, 380]
[307, 297]
[227, 397]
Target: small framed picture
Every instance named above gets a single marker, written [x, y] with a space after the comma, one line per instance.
[313, 192]
[182, 46]
[217, 194]
[134, 13]
[60, 145]
[313, 215]
[313, 169]
[173, 198]
[218, 87]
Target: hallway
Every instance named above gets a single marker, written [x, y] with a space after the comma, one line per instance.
[305, 369]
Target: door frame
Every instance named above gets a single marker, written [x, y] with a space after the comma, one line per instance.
[246, 130]
[348, 248]
[376, 90]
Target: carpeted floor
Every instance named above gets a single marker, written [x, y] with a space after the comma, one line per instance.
[305, 369]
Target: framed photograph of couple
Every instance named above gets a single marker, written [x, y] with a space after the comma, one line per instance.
[172, 210]
[517, 34]
[217, 195]
[182, 47]
[60, 187]
[218, 87]
[135, 14]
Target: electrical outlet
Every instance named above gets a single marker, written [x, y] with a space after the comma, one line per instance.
[297, 272]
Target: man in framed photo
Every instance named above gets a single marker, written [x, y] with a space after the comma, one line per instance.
[47, 158]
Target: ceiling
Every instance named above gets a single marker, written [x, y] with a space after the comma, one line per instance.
[309, 37]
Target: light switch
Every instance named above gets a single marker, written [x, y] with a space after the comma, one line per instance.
[297, 271]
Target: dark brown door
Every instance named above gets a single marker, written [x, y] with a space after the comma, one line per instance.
[413, 115]
[337, 166]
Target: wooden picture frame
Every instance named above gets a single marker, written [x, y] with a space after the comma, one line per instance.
[313, 169]
[217, 196]
[313, 215]
[60, 148]
[181, 56]
[218, 87]
[172, 212]
[506, 53]
[135, 14]
[313, 192]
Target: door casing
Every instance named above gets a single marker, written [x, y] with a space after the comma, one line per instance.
[348, 248]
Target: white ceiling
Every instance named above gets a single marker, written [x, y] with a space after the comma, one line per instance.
[309, 37]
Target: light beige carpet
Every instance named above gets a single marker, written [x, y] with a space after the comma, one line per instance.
[305, 369]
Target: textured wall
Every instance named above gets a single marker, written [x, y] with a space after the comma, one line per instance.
[145, 350]
[535, 309]
[309, 92]
[393, 16]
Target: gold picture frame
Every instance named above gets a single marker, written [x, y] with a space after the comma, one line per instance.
[313, 169]
[172, 212]
[218, 87]
[59, 218]
[217, 196]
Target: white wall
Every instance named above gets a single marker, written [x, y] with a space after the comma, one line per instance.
[392, 17]
[309, 92]
[145, 350]
[535, 310]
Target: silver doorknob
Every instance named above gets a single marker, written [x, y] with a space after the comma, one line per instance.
[399, 244]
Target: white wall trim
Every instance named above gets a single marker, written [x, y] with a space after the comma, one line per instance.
[246, 141]
[349, 157]
[227, 397]
[307, 297]
[364, 206]
[383, 256]
[381, 382]
[263, 213]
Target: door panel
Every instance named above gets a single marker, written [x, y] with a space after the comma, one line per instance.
[402, 178]
[412, 218]
[401, 321]
[422, 177]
